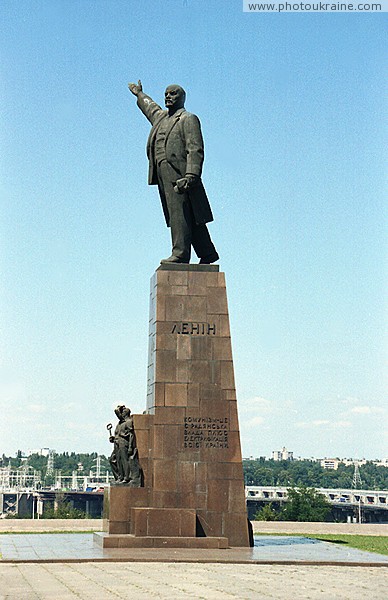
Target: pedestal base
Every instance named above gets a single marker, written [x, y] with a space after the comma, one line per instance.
[131, 541]
[188, 440]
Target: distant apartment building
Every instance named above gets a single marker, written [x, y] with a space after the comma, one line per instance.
[282, 454]
[330, 463]
[381, 463]
[348, 462]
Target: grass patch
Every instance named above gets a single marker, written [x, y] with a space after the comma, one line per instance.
[368, 543]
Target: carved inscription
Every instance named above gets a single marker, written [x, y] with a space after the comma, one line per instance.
[206, 432]
[188, 328]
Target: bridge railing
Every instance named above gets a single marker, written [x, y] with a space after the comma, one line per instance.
[376, 498]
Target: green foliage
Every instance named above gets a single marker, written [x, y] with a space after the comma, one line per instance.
[310, 473]
[305, 504]
[267, 513]
[65, 462]
[63, 510]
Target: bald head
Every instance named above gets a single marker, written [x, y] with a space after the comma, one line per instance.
[174, 97]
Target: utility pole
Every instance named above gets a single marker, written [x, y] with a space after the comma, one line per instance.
[357, 485]
[50, 463]
[97, 466]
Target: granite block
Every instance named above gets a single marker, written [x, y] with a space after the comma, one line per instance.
[216, 301]
[158, 392]
[176, 394]
[165, 475]
[194, 309]
[142, 422]
[169, 415]
[183, 347]
[162, 499]
[182, 371]
[173, 268]
[166, 341]
[200, 371]
[211, 522]
[236, 524]
[236, 495]
[227, 374]
[201, 348]
[233, 416]
[221, 348]
[165, 366]
[218, 495]
[193, 395]
[224, 330]
[174, 308]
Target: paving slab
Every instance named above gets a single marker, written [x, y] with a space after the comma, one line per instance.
[47, 525]
[80, 547]
[172, 581]
[380, 529]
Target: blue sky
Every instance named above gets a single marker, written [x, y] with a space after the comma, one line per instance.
[291, 108]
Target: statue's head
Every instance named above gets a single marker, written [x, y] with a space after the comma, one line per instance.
[174, 97]
[118, 410]
[126, 412]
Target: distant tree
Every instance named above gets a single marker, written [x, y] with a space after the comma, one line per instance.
[63, 510]
[307, 473]
[305, 504]
[267, 513]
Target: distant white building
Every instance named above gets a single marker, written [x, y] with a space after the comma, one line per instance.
[330, 463]
[282, 454]
[381, 463]
[40, 451]
[348, 462]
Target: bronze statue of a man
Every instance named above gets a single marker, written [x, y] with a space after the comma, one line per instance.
[175, 152]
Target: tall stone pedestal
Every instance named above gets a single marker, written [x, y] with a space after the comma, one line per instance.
[188, 440]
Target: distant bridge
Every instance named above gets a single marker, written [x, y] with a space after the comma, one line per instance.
[373, 504]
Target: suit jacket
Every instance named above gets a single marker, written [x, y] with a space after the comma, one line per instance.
[184, 153]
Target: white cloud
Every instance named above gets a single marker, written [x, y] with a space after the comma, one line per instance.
[13, 392]
[253, 422]
[36, 408]
[324, 423]
[366, 410]
[257, 404]
[339, 424]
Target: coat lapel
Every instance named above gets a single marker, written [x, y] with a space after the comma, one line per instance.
[154, 129]
[174, 121]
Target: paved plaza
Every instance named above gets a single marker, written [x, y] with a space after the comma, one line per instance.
[112, 581]
[79, 547]
[65, 566]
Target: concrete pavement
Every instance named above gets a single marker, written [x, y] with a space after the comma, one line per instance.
[113, 581]
[178, 574]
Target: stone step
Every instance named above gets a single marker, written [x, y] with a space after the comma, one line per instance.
[131, 541]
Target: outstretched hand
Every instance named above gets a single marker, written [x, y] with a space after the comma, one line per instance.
[135, 88]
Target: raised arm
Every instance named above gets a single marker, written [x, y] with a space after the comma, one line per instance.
[149, 108]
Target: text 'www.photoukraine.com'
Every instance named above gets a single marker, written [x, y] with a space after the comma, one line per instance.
[255, 7]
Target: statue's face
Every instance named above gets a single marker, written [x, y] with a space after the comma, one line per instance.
[126, 413]
[174, 97]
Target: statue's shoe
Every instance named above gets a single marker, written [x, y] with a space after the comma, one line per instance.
[173, 259]
[210, 258]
